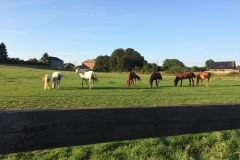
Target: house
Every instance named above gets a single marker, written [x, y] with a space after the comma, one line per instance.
[55, 62]
[32, 60]
[89, 64]
[68, 65]
[223, 67]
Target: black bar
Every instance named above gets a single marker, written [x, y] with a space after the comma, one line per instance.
[28, 130]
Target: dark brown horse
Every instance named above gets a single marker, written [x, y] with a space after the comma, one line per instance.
[155, 76]
[132, 78]
[202, 76]
[184, 75]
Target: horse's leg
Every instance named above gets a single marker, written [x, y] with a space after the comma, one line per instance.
[86, 82]
[192, 82]
[207, 81]
[58, 84]
[189, 81]
[91, 83]
[156, 83]
[82, 82]
[48, 84]
[53, 84]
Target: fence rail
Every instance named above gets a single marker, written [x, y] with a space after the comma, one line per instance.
[28, 130]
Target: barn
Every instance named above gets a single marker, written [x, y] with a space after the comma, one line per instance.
[223, 67]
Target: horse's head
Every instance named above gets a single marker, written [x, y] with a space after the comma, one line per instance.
[176, 81]
[196, 82]
[150, 83]
[77, 71]
[128, 83]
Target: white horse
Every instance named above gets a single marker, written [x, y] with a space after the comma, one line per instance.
[45, 81]
[87, 76]
[56, 78]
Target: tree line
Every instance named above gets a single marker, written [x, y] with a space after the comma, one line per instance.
[120, 61]
[130, 60]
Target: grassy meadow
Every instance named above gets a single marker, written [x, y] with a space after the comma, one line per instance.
[22, 88]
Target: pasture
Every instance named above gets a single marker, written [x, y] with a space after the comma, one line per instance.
[22, 88]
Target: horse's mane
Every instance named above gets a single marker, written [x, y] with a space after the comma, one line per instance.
[194, 76]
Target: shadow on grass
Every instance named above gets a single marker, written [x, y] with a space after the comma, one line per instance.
[112, 87]
[39, 67]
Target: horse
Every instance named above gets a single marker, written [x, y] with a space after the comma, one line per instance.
[56, 78]
[132, 78]
[87, 76]
[202, 76]
[184, 75]
[155, 76]
[45, 81]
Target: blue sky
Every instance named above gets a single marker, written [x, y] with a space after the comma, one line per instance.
[76, 30]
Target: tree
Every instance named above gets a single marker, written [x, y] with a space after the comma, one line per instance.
[132, 60]
[126, 60]
[45, 59]
[169, 63]
[208, 64]
[115, 59]
[3, 53]
[176, 69]
[195, 69]
[102, 63]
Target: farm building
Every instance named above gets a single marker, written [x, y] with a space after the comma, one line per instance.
[223, 67]
[33, 60]
[55, 62]
[89, 64]
[68, 65]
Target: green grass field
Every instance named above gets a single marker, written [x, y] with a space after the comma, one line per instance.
[21, 88]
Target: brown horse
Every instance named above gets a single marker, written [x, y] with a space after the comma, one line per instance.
[184, 75]
[202, 76]
[132, 78]
[155, 76]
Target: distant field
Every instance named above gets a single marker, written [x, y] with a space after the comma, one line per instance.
[21, 88]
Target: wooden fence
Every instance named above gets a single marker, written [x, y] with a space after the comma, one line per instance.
[28, 130]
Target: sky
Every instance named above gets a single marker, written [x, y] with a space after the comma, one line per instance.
[76, 30]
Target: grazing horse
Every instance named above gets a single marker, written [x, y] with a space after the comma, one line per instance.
[202, 76]
[87, 76]
[184, 75]
[45, 81]
[132, 78]
[155, 76]
[56, 78]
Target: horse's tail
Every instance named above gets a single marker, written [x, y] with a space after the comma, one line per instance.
[59, 77]
[94, 77]
[138, 78]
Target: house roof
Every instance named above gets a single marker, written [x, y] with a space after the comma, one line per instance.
[223, 65]
[32, 59]
[54, 58]
[89, 61]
